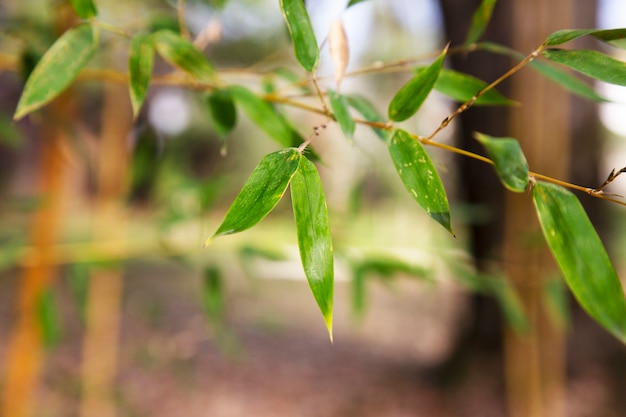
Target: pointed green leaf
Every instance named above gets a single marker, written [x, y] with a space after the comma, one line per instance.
[302, 35]
[57, 68]
[562, 36]
[140, 62]
[314, 238]
[213, 294]
[265, 117]
[223, 112]
[591, 63]
[411, 96]
[420, 176]
[508, 159]
[85, 9]
[261, 192]
[462, 87]
[369, 112]
[339, 104]
[581, 256]
[183, 54]
[480, 20]
[48, 315]
[353, 2]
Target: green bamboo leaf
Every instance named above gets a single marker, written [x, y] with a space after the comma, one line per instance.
[265, 117]
[314, 238]
[581, 256]
[420, 176]
[411, 96]
[302, 35]
[462, 87]
[183, 54]
[510, 303]
[57, 68]
[140, 62]
[48, 315]
[85, 9]
[213, 294]
[261, 192]
[562, 36]
[591, 63]
[369, 112]
[223, 112]
[353, 2]
[508, 159]
[339, 104]
[480, 20]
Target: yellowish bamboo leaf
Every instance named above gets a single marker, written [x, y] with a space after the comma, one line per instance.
[339, 50]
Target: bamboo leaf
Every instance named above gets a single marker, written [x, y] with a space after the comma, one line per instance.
[411, 96]
[339, 105]
[462, 87]
[562, 36]
[591, 63]
[301, 31]
[140, 62]
[581, 256]
[480, 20]
[509, 161]
[369, 112]
[420, 176]
[353, 2]
[223, 112]
[314, 237]
[48, 315]
[181, 53]
[261, 192]
[57, 68]
[85, 9]
[265, 117]
[339, 51]
[213, 294]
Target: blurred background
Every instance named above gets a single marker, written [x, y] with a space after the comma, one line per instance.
[109, 305]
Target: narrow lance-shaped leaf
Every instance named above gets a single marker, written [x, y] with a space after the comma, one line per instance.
[562, 36]
[223, 112]
[261, 192]
[57, 68]
[591, 63]
[140, 62]
[340, 108]
[581, 256]
[508, 159]
[183, 54]
[314, 237]
[48, 315]
[301, 31]
[266, 117]
[411, 96]
[339, 50]
[462, 87]
[369, 113]
[353, 2]
[85, 9]
[420, 177]
[480, 20]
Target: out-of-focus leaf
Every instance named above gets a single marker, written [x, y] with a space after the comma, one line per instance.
[353, 2]
[291, 77]
[510, 304]
[339, 105]
[480, 20]
[223, 112]
[369, 113]
[550, 71]
[183, 54]
[265, 117]
[140, 62]
[314, 238]
[57, 68]
[420, 177]
[261, 192]
[581, 256]
[591, 63]
[339, 50]
[411, 96]
[161, 21]
[462, 87]
[562, 36]
[48, 315]
[555, 296]
[508, 159]
[85, 9]
[213, 294]
[78, 280]
[302, 35]
[9, 135]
